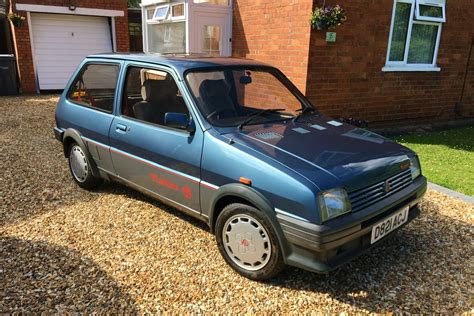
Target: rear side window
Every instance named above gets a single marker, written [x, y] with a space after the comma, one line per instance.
[95, 86]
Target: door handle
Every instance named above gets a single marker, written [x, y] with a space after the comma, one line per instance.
[121, 128]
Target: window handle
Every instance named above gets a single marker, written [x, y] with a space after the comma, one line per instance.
[121, 128]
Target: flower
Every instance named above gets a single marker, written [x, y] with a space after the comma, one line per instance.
[327, 17]
[16, 19]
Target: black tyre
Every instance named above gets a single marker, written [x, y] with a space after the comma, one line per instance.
[248, 242]
[81, 168]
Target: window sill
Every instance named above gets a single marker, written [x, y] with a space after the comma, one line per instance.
[409, 68]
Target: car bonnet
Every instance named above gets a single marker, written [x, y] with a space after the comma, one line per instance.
[356, 157]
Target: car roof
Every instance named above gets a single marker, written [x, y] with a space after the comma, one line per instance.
[181, 62]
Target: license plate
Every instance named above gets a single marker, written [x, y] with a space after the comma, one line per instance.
[385, 226]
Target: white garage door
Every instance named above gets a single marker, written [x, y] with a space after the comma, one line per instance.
[62, 41]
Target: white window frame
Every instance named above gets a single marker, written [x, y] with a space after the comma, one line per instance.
[167, 33]
[161, 18]
[204, 4]
[404, 65]
[430, 3]
[146, 14]
[180, 17]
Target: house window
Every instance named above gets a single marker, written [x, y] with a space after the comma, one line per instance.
[167, 37]
[161, 13]
[177, 11]
[414, 35]
[150, 13]
[211, 40]
[429, 10]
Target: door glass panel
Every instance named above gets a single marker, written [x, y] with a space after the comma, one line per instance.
[149, 94]
[218, 2]
[400, 31]
[431, 11]
[211, 39]
[422, 43]
[167, 37]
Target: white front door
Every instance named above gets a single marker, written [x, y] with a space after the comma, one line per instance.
[212, 34]
[60, 43]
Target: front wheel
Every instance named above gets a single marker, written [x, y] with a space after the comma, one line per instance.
[248, 242]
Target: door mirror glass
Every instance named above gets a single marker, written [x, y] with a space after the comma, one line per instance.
[179, 120]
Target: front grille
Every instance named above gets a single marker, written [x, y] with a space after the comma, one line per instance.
[362, 198]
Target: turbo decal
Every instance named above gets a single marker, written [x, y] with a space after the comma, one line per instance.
[187, 193]
[163, 182]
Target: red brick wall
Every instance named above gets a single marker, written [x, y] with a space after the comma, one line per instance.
[276, 32]
[345, 78]
[22, 36]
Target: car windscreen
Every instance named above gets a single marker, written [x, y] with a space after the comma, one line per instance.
[229, 96]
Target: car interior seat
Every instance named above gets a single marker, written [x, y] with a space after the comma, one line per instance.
[216, 100]
[144, 110]
[168, 99]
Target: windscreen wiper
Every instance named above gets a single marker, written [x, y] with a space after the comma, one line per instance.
[303, 112]
[251, 117]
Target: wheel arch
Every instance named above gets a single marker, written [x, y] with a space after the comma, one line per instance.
[73, 136]
[239, 193]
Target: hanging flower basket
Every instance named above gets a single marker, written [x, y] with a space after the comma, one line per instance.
[16, 19]
[327, 17]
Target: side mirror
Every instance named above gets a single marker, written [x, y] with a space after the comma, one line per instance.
[179, 120]
[245, 80]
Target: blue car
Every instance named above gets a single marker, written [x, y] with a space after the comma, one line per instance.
[233, 143]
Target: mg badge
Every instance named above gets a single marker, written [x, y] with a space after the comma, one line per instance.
[387, 186]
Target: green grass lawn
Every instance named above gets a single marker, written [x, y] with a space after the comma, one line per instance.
[447, 158]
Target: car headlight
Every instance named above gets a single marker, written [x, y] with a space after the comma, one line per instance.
[415, 167]
[333, 203]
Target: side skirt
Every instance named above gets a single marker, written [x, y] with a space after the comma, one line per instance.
[188, 211]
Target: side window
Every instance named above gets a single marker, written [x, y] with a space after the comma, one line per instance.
[95, 86]
[149, 94]
[415, 34]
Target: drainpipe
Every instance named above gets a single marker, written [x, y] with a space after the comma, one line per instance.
[15, 47]
[458, 107]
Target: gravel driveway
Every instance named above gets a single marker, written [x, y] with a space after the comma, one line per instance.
[66, 249]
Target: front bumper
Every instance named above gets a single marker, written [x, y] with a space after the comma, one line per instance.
[321, 248]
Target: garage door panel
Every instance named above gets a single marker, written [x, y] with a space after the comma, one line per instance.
[54, 70]
[67, 47]
[61, 54]
[62, 41]
[74, 34]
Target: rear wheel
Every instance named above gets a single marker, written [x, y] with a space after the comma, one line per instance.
[248, 242]
[80, 168]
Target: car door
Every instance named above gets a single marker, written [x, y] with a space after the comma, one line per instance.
[146, 153]
[90, 100]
